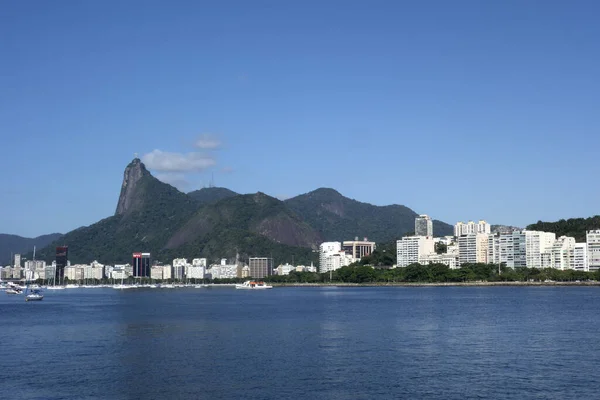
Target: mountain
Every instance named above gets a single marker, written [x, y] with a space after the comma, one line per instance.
[155, 217]
[152, 216]
[211, 195]
[339, 218]
[148, 213]
[11, 244]
[255, 213]
[575, 227]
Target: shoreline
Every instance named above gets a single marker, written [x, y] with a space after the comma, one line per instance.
[434, 284]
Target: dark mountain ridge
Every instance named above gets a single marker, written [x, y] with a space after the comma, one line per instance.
[11, 244]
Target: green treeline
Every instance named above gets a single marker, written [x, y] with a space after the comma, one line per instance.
[436, 273]
[575, 227]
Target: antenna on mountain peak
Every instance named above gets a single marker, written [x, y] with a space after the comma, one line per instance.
[212, 181]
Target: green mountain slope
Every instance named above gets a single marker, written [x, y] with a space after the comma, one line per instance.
[211, 194]
[339, 218]
[575, 227]
[254, 213]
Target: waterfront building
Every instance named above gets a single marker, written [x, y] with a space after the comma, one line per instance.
[230, 271]
[260, 267]
[245, 271]
[563, 251]
[473, 248]
[156, 272]
[325, 250]
[537, 245]
[358, 249]
[423, 225]
[17, 273]
[167, 272]
[593, 249]
[451, 260]
[532, 249]
[178, 271]
[17, 261]
[579, 259]
[62, 260]
[470, 228]
[141, 265]
[285, 269]
[195, 272]
[410, 248]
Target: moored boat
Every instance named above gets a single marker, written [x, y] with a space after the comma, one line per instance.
[253, 285]
[35, 295]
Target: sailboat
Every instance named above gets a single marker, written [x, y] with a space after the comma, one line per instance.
[35, 294]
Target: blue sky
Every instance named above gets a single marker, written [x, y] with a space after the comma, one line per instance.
[461, 110]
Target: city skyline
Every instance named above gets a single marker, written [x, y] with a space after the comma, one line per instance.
[444, 99]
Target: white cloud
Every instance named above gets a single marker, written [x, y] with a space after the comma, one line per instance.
[177, 162]
[227, 170]
[208, 141]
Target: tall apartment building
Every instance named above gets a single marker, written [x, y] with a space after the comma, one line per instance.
[62, 260]
[330, 256]
[460, 228]
[532, 249]
[260, 267]
[423, 226]
[473, 248]
[17, 260]
[358, 249]
[141, 265]
[592, 238]
[563, 252]
[579, 259]
[411, 248]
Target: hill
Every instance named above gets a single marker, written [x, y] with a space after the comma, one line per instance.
[11, 244]
[155, 217]
[337, 217]
[211, 195]
[575, 227]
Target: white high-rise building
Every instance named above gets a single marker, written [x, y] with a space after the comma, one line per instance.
[411, 248]
[538, 246]
[156, 272]
[579, 259]
[423, 225]
[195, 272]
[332, 257]
[563, 252]
[507, 248]
[473, 248]
[471, 227]
[167, 272]
[17, 262]
[592, 238]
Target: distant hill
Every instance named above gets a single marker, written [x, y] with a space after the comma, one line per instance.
[18, 244]
[339, 218]
[575, 227]
[154, 217]
[211, 194]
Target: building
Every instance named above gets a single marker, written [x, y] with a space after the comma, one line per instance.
[532, 249]
[451, 260]
[326, 249]
[411, 248]
[62, 260]
[196, 272]
[285, 269]
[156, 272]
[473, 248]
[167, 272]
[225, 271]
[199, 262]
[178, 271]
[17, 260]
[471, 227]
[245, 272]
[592, 238]
[579, 259]
[563, 251]
[260, 267]
[538, 248]
[358, 249]
[423, 226]
[141, 265]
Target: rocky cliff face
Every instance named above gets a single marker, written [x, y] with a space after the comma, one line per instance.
[133, 173]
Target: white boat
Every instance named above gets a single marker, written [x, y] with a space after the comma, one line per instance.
[13, 290]
[253, 285]
[35, 295]
[55, 288]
